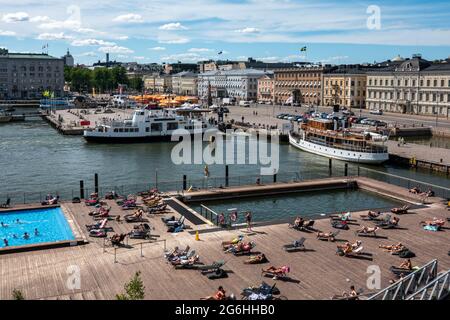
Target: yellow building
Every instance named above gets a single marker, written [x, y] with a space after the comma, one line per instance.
[345, 87]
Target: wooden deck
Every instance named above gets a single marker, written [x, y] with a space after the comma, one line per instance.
[320, 272]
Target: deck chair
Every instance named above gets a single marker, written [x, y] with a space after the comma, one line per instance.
[297, 245]
[7, 204]
[213, 266]
[178, 222]
[340, 224]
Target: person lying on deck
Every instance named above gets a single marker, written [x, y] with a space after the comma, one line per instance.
[392, 248]
[138, 214]
[435, 222]
[260, 258]
[220, 295]
[351, 294]
[241, 246]
[277, 271]
[365, 229]
[429, 193]
[298, 222]
[407, 265]
[415, 190]
[330, 235]
[373, 214]
[190, 261]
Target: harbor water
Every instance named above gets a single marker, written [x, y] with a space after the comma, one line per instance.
[37, 159]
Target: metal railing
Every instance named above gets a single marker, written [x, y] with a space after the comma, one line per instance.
[438, 289]
[209, 214]
[409, 284]
[139, 245]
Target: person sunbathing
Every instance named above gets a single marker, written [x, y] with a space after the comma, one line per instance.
[393, 248]
[407, 265]
[373, 214]
[328, 235]
[352, 294]
[138, 214]
[435, 222]
[415, 190]
[277, 272]
[367, 230]
[260, 258]
[189, 261]
[299, 221]
[220, 295]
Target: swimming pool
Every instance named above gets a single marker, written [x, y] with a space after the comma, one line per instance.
[50, 223]
[311, 204]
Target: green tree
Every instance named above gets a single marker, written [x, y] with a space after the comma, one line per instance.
[134, 290]
[17, 295]
[119, 76]
[136, 83]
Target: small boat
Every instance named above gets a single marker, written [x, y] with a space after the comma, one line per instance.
[5, 117]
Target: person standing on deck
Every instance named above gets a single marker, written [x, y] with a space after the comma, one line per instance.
[248, 218]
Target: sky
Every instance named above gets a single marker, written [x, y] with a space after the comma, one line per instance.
[144, 31]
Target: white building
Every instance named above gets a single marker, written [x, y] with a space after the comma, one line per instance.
[239, 84]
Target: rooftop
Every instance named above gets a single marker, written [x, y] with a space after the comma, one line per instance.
[14, 55]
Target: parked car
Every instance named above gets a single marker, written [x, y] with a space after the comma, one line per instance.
[377, 112]
[281, 115]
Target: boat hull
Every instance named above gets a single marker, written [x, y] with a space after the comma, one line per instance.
[339, 154]
[136, 139]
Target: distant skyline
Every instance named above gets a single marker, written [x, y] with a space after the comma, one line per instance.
[159, 31]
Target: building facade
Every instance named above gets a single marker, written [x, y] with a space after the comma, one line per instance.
[414, 86]
[299, 85]
[157, 83]
[266, 86]
[345, 87]
[185, 83]
[239, 84]
[28, 75]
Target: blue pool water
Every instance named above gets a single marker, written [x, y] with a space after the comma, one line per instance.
[51, 224]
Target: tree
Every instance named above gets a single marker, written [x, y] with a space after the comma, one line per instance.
[17, 295]
[134, 290]
[136, 83]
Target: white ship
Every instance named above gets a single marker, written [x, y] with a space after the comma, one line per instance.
[145, 126]
[319, 136]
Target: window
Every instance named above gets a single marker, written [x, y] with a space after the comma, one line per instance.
[156, 126]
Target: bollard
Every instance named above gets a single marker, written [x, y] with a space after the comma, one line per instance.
[330, 166]
[275, 178]
[96, 182]
[226, 176]
[81, 189]
[346, 170]
[184, 182]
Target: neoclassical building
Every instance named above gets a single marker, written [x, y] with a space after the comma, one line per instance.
[414, 86]
[299, 84]
[239, 84]
[185, 83]
[266, 88]
[345, 86]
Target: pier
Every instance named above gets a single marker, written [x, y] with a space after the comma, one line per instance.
[317, 273]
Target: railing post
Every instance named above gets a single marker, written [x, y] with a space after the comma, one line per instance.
[346, 169]
[81, 189]
[141, 251]
[96, 182]
[115, 255]
[184, 182]
[274, 178]
[330, 167]
[226, 176]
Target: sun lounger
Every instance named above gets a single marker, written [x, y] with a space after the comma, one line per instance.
[338, 224]
[305, 226]
[7, 204]
[213, 266]
[399, 271]
[298, 245]
[178, 222]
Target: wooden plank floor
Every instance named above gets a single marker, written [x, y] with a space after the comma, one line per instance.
[321, 273]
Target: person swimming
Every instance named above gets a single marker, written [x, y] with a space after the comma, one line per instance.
[5, 241]
[36, 232]
[26, 236]
[3, 225]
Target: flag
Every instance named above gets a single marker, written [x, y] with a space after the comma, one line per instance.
[220, 52]
[303, 49]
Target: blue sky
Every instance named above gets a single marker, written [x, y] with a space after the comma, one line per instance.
[191, 30]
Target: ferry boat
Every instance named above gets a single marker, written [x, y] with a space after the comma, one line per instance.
[324, 138]
[5, 117]
[145, 126]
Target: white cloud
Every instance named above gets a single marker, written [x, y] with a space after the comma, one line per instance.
[70, 24]
[174, 41]
[139, 57]
[87, 54]
[248, 30]
[15, 17]
[53, 36]
[129, 18]
[172, 26]
[186, 57]
[157, 49]
[91, 42]
[40, 19]
[115, 49]
[200, 50]
[6, 33]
